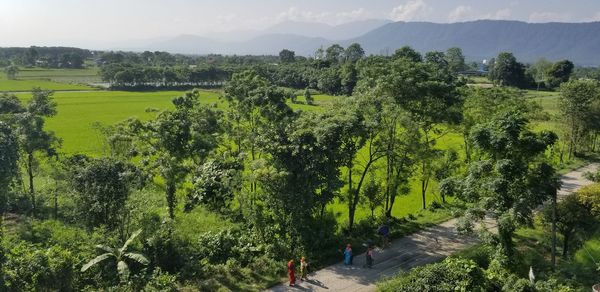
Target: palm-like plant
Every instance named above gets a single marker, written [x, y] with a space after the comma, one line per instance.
[121, 255]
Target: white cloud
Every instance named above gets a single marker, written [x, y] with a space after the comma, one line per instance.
[295, 14]
[460, 13]
[502, 14]
[347, 16]
[411, 10]
[547, 17]
[467, 13]
[595, 17]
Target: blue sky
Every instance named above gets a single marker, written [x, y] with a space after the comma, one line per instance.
[25, 22]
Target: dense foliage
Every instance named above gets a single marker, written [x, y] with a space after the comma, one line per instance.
[269, 175]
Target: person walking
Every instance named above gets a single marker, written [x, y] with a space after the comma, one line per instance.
[369, 255]
[291, 272]
[348, 255]
[384, 232]
[303, 269]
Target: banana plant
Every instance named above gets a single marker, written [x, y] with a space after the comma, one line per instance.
[120, 255]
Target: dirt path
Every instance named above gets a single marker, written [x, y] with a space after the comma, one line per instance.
[427, 246]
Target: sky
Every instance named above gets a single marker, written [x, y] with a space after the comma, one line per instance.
[65, 22]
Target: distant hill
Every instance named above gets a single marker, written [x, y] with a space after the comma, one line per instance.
[578, 42]
[320, 30]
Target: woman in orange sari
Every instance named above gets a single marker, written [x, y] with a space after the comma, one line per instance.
[291, 272]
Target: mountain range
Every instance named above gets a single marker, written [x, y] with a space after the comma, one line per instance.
[482, 39]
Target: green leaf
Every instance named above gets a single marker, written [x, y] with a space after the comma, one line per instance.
[123, 269]
[95, 261]
[130, 240]
[105, 248]
[140, 258]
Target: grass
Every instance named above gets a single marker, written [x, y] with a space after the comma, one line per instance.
[28, 84]
[79, 111]
[51, 79]
[87, 75]
[479, 80]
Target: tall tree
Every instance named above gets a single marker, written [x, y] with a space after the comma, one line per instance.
[430, 98]
[408, 53]
[349, 77]
[511, 180]
[335, 53]
[455, 59]
[506, 71]
[571, 217]
[301, 175]
[254, 104]
[481, 105]
[9, 156]
[287, 56]
[33, 138]
[559, 73]
[354, 52]
[539, 71]
[174, 141]
[576, 100]
[361, 129]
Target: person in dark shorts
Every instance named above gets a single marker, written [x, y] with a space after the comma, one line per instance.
[384, 232]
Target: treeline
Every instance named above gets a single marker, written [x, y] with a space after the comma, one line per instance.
[45, 57]
[126, 76]
[334, 70]
[543, 74]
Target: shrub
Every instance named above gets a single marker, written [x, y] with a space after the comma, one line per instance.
[453, 274]
[31, 268]
[161, 281]
[590, 197]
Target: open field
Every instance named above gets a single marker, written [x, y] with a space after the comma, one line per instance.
[51, 79]
[87, 75]
[28, 84]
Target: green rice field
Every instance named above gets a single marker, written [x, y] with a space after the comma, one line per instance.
[51, 79]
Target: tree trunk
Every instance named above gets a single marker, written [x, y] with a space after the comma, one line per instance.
[350, 198]
[171, 199]
[56, 205]
[506, 240]
[351, 212]
[388, 180]
[30, 174]
[566, 244]
[467, 149]
[554, 229]
[423, 191]
[571, 141]
[424, 168]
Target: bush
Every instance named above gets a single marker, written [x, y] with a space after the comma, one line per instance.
[30, 268]
[453, 274]
[590, 197]
[161, 281]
